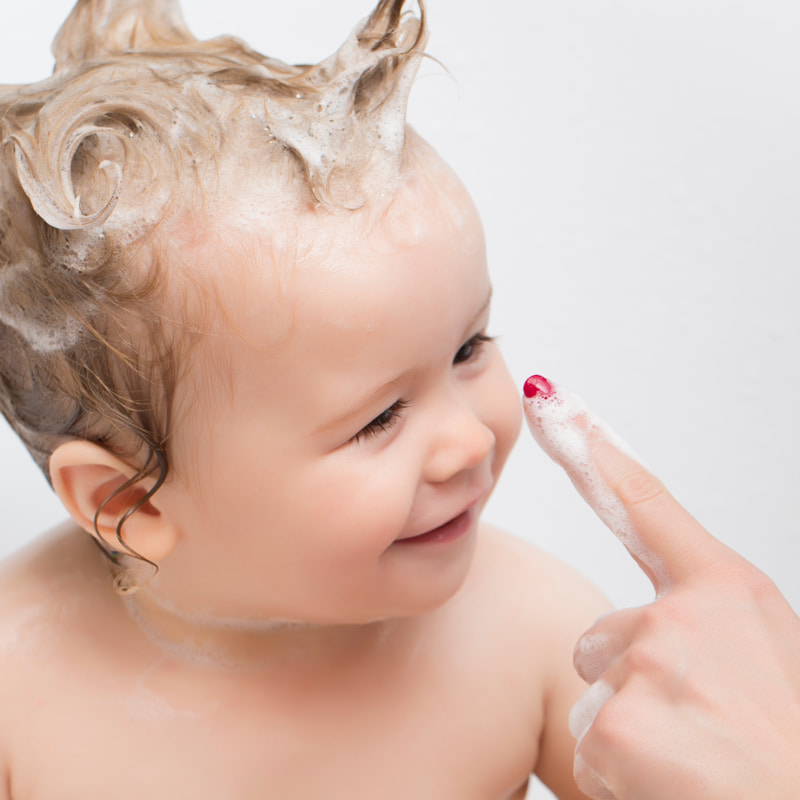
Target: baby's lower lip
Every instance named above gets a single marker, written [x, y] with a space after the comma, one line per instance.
[450, 531]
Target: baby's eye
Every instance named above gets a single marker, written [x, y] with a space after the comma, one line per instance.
[382, 423]
[471, 348]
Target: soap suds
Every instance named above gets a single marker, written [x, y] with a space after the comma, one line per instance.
[587, 708]
[562, 426]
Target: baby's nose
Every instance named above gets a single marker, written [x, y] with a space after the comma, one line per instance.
[462, 441]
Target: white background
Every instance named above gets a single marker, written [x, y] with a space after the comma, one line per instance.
[636, 166]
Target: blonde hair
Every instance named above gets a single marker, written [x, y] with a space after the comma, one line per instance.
[138, 122]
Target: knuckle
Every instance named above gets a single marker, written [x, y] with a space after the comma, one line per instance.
[748, 582]
[645, 655]
[610, 728]
[639, 488]
[616, 737]
[673, 612]
[758, 587]
[650, 618]
[642, 659]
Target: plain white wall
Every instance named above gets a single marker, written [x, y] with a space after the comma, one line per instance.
[636, 167]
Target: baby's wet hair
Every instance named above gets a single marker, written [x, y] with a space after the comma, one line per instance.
[139, 124]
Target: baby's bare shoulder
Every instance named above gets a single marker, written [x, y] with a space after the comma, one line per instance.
[28, 618]
[529, 609]
[52, 596]
[44, 589]
[529, 605]
[34, 572]
[537, 589]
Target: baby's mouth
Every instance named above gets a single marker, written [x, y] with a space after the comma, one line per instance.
[451, 530]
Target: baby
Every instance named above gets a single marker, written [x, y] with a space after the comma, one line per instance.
[243, 331]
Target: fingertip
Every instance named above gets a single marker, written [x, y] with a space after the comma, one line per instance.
[538, 386]
[593, 654]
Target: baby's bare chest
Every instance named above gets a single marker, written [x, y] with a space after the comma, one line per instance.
[147, 737]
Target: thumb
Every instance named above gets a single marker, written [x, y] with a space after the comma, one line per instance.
[665, 540]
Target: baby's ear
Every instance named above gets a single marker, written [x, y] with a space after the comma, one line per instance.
[85, 476]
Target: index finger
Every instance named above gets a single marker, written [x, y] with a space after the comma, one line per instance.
[666, 541]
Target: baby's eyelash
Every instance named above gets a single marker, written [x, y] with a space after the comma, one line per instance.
[383, 422]
[391, 416]
[472, 347]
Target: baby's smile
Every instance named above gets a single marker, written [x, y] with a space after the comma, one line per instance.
[452, 528]
[448, 532]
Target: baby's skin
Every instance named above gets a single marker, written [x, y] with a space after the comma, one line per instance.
[462, 703]
[335, 481]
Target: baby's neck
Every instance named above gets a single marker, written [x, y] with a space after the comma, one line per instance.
[268, 644]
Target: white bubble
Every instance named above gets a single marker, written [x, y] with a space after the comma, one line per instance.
[45, 336]
[562, 425]
[587, 708]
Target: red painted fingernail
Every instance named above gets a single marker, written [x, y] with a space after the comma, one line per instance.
[537, 386]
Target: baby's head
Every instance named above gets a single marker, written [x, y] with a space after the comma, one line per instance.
[139, 125]
[194, 239]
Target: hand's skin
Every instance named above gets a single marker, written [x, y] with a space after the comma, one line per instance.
[696, 695]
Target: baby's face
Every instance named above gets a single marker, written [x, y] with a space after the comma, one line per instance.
[334, 462]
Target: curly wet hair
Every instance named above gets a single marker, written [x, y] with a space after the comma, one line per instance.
[137, 124]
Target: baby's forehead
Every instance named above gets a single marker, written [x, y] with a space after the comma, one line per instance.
[428, 193]
[255, 278]
[240, 252]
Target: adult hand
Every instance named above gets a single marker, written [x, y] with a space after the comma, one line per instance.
[696, 695]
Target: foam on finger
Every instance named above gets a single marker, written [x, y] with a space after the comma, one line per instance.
[563, 426]
[587, 708]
